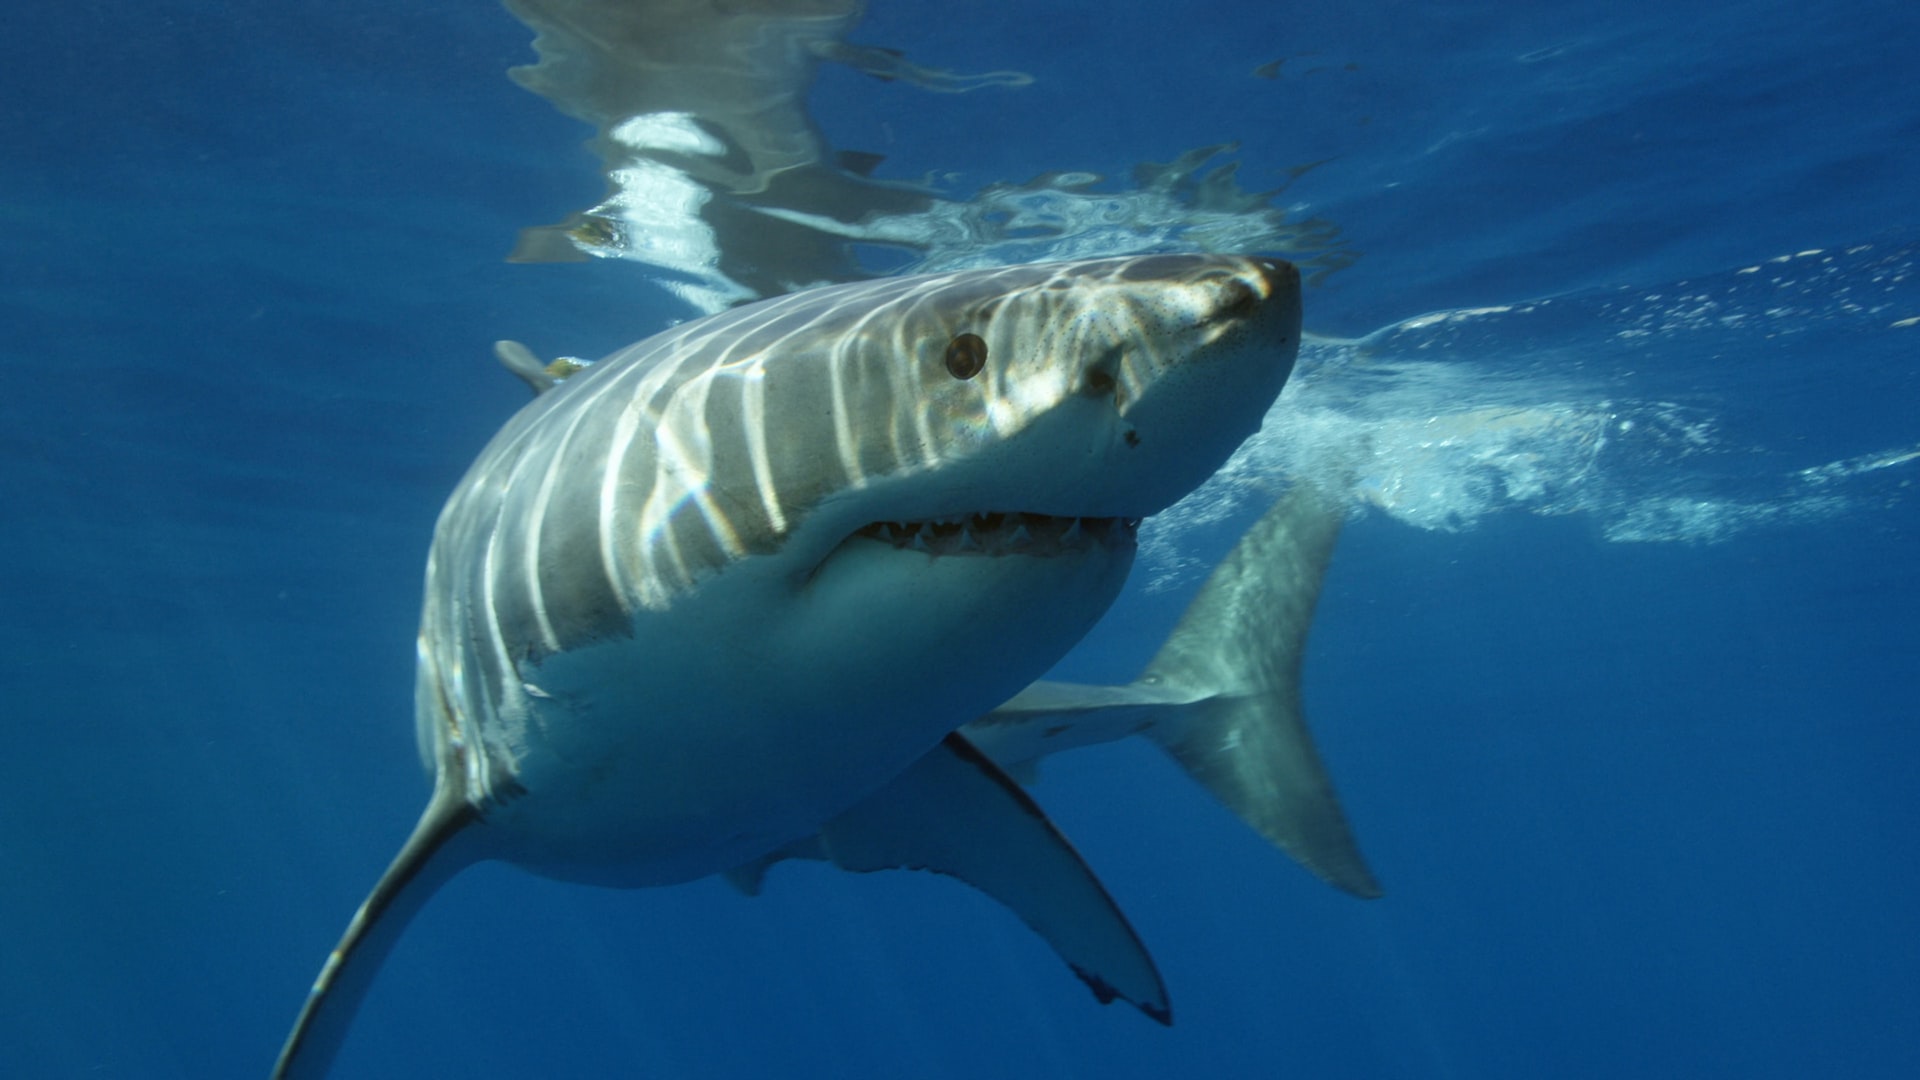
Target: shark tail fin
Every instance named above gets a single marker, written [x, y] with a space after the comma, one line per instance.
[425, 862]
[1238, 651]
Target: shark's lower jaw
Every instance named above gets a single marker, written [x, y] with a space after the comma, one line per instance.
[1004, 534]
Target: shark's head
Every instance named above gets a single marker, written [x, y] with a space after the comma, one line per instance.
[1101, 390]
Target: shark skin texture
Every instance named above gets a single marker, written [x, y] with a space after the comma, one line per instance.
[701, 602]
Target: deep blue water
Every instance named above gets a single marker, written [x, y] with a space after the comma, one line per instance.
[1614, 668]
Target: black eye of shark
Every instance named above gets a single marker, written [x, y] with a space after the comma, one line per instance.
[1004, 534]
[966, 355]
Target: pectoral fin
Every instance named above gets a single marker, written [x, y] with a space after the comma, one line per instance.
[433, 854]
[955, 813]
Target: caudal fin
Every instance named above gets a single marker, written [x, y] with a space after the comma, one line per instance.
[424, 863]
[1236, 656]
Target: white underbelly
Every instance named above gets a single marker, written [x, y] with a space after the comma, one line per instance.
[713, 737]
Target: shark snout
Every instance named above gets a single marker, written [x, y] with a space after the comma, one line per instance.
[1277, 276]
[1213, 352]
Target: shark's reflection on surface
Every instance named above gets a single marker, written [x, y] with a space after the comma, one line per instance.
[719, 174]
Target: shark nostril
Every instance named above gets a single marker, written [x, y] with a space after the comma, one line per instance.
[1099, 384]
[1238, 299]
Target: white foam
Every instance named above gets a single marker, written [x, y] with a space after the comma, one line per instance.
[1560, 407]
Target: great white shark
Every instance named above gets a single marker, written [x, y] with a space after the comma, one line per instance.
[764, 585]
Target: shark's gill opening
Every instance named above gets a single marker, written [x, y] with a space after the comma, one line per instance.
[996, 533]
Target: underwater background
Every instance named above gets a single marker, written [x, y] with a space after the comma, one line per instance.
[1616, 362]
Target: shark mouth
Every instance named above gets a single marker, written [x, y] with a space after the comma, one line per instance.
[1004, 534]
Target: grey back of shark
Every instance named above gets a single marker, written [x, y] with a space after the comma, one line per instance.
[736, 589]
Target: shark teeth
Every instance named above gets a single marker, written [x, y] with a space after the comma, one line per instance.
[1003, 534]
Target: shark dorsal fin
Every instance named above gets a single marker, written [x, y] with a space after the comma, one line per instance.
[520, 360]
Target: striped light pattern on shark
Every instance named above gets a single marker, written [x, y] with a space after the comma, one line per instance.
[624, 488]
[700, 395]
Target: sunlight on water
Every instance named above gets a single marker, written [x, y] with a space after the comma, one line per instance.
[1192, 203]
[720, 177]
[658, 215]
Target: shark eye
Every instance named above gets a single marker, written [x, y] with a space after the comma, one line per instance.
[966, 355]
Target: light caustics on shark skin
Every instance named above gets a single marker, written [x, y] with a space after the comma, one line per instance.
[696, 608]
[1222, 697]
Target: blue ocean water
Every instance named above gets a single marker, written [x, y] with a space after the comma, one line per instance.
[1613, 669]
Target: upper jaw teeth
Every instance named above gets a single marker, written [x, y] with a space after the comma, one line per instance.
[1003, 534]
